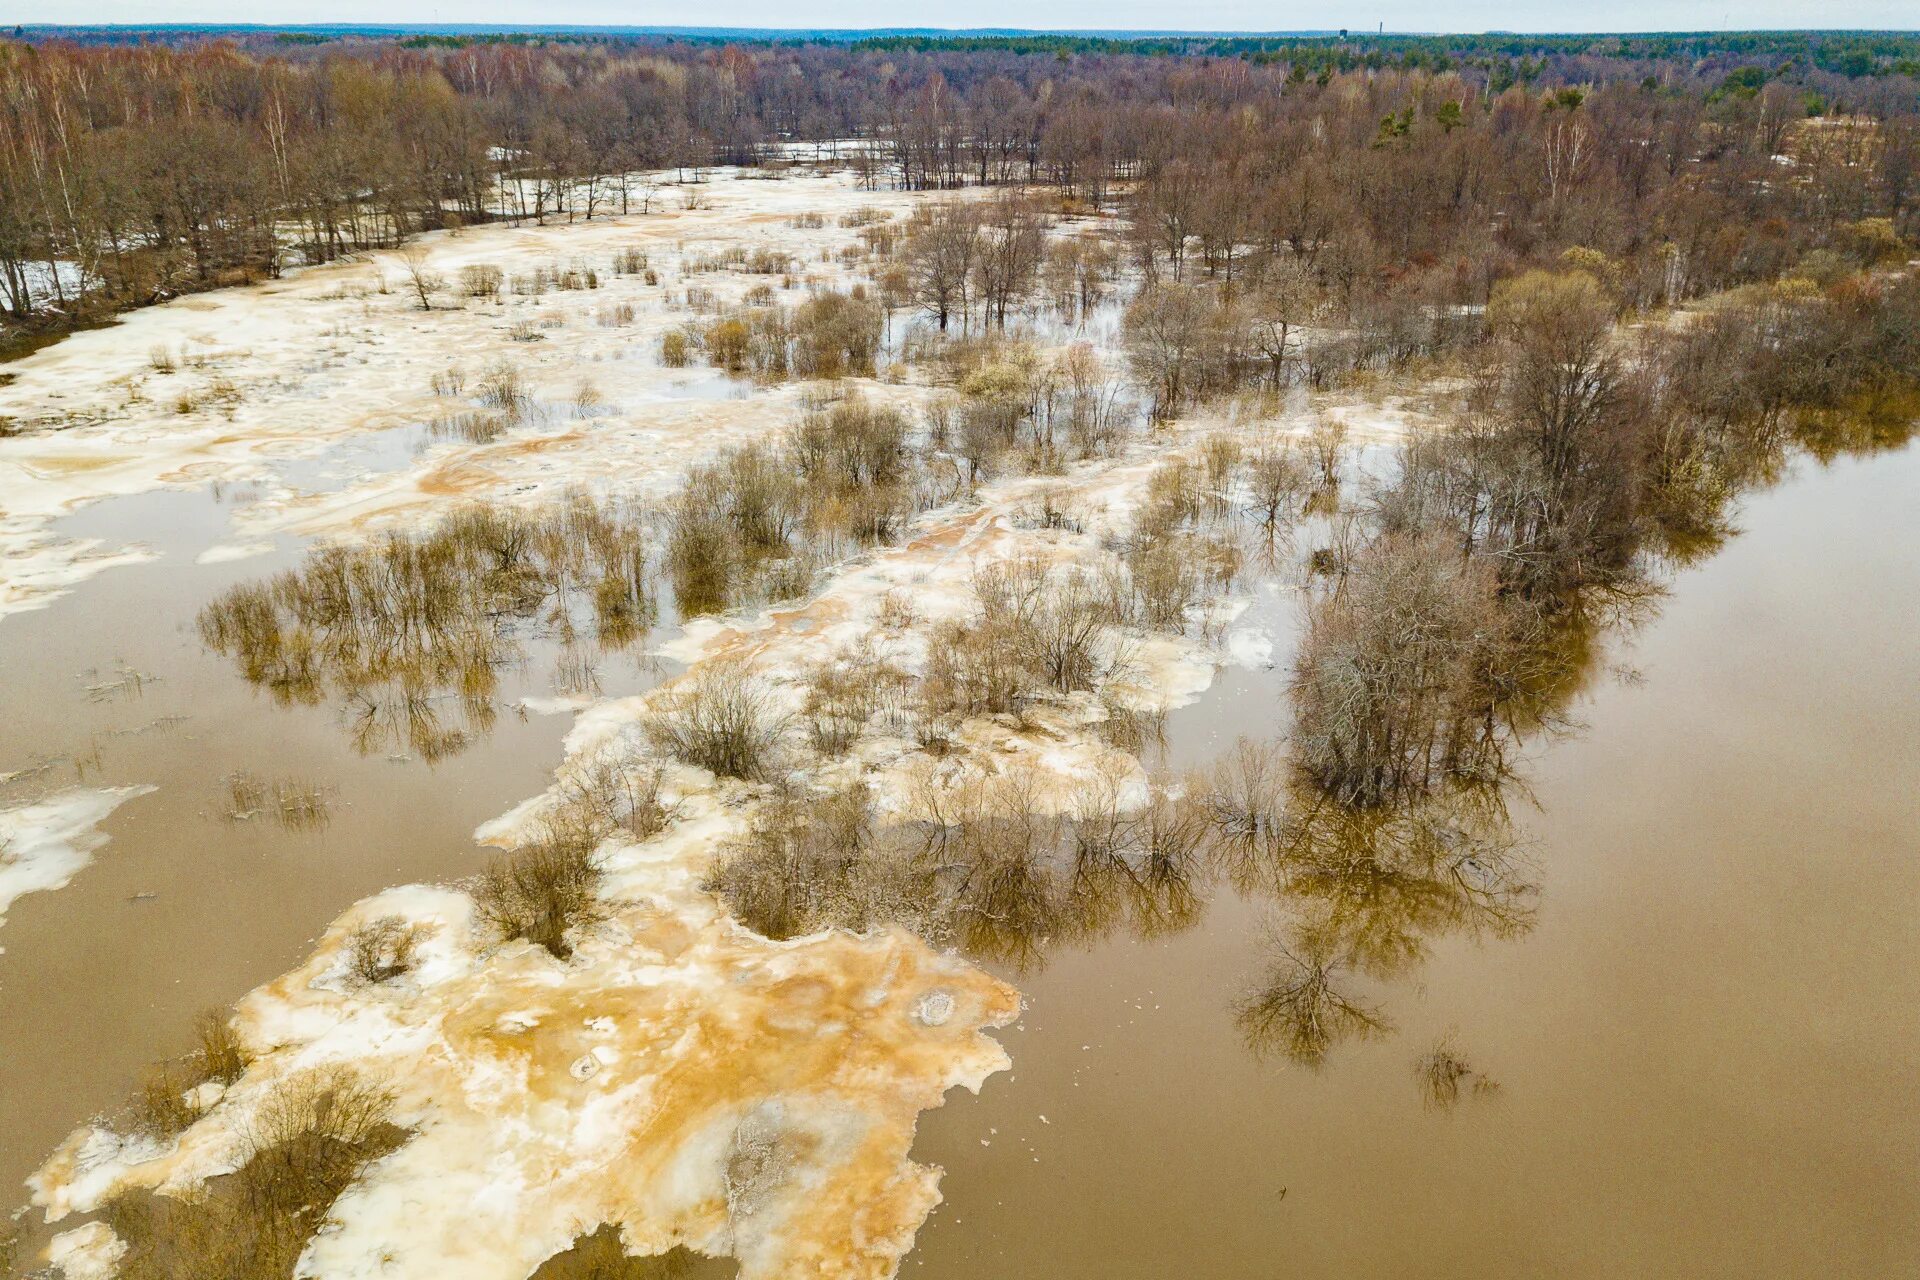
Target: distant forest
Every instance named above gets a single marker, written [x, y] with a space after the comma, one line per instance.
[1398, 176]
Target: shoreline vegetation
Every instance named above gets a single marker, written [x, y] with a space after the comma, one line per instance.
[1056, 422]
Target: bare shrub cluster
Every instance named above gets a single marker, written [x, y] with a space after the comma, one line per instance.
[165, 1103]
[981, 863]
[1502, 542]
[758, 522]
[847, 691]
[383, 949]
[1039, 633]
[545, 889]
[829, 335]
[724, 719]
[1395, 671]
[391, 625]
[305, 1145]
[1015, 410]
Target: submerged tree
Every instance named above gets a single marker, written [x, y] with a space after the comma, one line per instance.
[1393, 678]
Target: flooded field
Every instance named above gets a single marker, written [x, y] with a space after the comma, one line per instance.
[766, 846]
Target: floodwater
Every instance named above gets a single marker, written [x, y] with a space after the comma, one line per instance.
[191, 904]
[1707, 1047]
[1704, 1046]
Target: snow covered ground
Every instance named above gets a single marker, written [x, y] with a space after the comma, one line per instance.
[241, 385]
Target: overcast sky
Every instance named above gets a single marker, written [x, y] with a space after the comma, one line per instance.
[1209, 15]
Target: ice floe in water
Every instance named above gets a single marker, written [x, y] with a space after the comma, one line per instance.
[44, 843]
[745, 1097]
[90, 1252]
[227, 552]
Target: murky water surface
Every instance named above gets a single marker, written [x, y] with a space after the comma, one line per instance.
[1705, 1047]
[204, 891]
[1699, 1060]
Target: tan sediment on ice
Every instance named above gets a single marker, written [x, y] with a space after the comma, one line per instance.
[90, 1252]
[682, 1078]
[679, 1076]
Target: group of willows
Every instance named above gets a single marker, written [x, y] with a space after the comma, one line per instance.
[1398, 178]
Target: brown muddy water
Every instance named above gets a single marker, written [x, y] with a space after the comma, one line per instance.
[191, 904]
[1706, 1047]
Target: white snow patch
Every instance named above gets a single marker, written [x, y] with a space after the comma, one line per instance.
[43, 844]
[90, 1252]
[1250, 647]
[556, 706]
[227, 552]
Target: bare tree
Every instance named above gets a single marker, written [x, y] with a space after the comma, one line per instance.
[1282, 303]
[1166, 330]
[420, 279]
[1008, 254]
[941, 249]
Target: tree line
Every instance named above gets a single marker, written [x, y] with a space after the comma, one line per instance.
[129, 173]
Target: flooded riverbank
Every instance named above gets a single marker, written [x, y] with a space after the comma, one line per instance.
[206, 887]
[1704, 1046]
[997, 675]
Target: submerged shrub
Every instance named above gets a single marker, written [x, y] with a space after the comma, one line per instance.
[809, 862]
[609, 795]
[854, 461]
[312, 1136]
[735, 520]
[543, 890]
[503, 389]
[306, 1144]
[974, 670]
[394, 625]
[1391, 685]
[163, 1107]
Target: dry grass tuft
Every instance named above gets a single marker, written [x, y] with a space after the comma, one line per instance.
[220, 1053]
[161, 1107]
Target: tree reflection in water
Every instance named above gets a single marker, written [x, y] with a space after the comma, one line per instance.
[409, 633]
[1465, 606]
[1363, 893]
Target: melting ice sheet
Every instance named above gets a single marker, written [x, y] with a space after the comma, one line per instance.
[684, 1079]
[43, 844]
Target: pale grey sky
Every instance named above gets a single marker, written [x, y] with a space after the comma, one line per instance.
[1210, 15]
